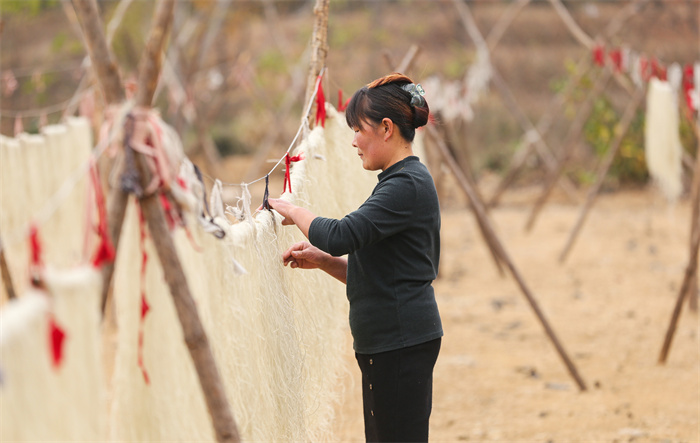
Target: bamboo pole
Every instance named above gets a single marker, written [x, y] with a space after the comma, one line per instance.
[6, 276]
[319, 49]
[571, 140]
[480, 213]
[620, 132]
[692, 267]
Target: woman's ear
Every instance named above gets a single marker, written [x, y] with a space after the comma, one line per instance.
[388, 127]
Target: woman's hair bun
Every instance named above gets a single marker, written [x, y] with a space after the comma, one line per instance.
[393, 96]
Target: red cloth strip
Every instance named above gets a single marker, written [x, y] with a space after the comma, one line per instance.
[287, 166]
[57, 339]
[688, 85]
[599, 55]
[36, 263]
[320, 104]
[105, 251]
[616, 59]
[144, 303]
[35, 246]
[342, 106]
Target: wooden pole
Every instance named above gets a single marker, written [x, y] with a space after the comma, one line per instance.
[692, 268]
[100, 55]
[512, 105]
[195, 337]
[695, 188]
[620, 132]
[480, 213]
[538, 142]
[543, 124]
[111, 85]
[571, 140]
[6, 276]
[319, 49]
[408, 59]
[466, 182]
[151, 61]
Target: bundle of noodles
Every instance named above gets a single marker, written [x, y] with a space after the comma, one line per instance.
[662, 142]
[52, 390]
[276, 333]
[46, 173]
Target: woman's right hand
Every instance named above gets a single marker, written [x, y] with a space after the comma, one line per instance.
[304, 255]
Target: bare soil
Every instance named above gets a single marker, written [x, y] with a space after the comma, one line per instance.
[499, 378]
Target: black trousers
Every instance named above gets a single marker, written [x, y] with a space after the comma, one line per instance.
[397, 392]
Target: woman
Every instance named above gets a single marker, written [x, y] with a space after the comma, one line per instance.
[392, 244]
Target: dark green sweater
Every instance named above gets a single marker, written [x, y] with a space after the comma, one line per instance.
[393, 247]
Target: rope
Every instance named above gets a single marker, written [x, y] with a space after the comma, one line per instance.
[57, 199]
[38, 112]
[302, 126]
[61, 194]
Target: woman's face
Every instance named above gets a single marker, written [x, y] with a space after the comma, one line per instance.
[370, 145]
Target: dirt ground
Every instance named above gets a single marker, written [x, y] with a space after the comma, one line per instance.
[499, 378]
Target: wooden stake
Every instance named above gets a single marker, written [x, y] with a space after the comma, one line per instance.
[526, 145]
[194, 334]
[693, 293]
[111, 85]
[480, 213]
[620, 132]
[571, 140]
[466, 183]
[538, 143]
[584, 64]
[152, 59]
[195, 337]
[100, 55]
[6, 277]
[319, 49]
[692, 268]
[408, 59]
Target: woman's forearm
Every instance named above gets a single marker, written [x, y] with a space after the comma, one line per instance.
[302, 218]
[336, 267]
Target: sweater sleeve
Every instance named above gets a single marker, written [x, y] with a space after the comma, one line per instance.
[385, 213]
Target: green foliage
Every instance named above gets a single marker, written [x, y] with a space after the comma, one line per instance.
[31, 7]
[230, 145]
[628, 166]
[59, 41]
[340, 36]
[272, 61]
